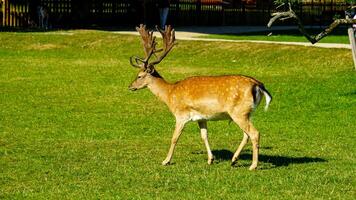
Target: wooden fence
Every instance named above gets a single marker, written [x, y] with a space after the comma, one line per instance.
[14, 14]
[78, 13]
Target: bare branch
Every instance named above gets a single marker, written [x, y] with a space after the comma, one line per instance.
[282, 4]
[313, 39]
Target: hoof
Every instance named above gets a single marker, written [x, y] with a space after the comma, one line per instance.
[233, 161]
[210, 161]
[252, 167]
[165, 163]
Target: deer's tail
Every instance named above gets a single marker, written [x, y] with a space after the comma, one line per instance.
[260, 90]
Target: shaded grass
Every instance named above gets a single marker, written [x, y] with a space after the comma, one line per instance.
[338, 36]
[70, 128]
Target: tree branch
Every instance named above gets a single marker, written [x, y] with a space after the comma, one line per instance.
[313, 39]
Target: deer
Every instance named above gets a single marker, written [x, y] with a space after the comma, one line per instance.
[199, 98]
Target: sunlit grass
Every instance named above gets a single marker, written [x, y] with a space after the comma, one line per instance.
[71, 129]
[338, 36]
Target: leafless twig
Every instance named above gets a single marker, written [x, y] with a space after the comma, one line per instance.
[290, 14]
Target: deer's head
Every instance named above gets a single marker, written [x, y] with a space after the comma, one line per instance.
[146, 67]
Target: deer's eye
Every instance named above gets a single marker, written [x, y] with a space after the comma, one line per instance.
[139, 77]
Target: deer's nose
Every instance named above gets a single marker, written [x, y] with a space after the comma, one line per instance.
[132, 88]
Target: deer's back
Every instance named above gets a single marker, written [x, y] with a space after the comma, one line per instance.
[212, 94]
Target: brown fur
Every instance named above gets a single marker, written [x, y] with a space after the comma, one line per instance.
[200, 98]
[205, 98]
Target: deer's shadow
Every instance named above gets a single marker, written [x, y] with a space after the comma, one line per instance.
[277, 161]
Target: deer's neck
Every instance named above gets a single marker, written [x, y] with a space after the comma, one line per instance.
[160, 88]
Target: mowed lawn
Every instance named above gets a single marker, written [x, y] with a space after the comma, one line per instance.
[71, 129]
[339, 35]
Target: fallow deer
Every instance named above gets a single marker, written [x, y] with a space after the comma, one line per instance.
[199, 98]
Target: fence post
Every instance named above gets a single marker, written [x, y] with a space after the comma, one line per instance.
[351, 33]
[2, 12]
[198, 9]
[7, 13]
[223, 13]
[177, 11]
[244, 21]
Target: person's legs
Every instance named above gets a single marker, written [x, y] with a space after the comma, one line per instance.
[163, 14]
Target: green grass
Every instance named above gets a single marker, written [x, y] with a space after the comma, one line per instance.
[70, 128]
[338, 36]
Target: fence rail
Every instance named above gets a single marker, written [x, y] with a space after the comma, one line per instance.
[74, 13]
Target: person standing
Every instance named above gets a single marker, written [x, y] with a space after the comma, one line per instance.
[163, 7]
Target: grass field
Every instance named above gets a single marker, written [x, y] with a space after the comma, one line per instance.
[339, 35]
[70, 128]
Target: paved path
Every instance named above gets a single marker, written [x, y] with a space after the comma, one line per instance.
[196, 34]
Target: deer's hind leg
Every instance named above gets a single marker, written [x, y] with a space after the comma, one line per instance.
[239, 149]
[242, 119]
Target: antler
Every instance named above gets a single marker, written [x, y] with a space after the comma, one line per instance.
[147, 39]
[149, 45]
[168, 36]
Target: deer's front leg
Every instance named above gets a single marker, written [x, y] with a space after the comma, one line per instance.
[177, 132]
[204, 135]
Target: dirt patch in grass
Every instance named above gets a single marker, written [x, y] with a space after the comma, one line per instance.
[43, 47]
